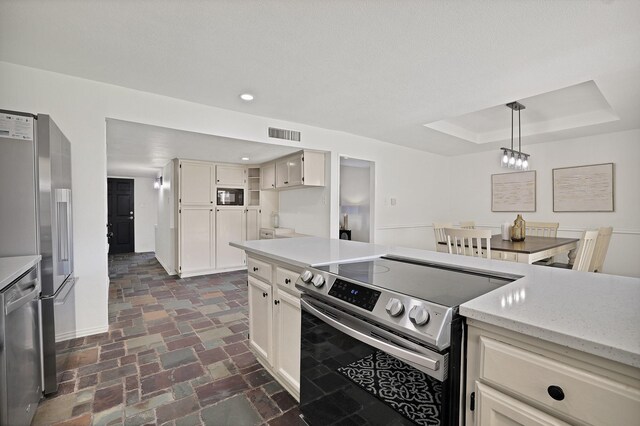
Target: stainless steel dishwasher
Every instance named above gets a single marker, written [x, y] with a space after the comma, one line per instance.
[20, 378]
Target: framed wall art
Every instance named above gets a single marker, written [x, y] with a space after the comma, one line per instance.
[513, 192]
[583, 188]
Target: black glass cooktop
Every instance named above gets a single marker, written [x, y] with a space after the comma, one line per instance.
[441, 284]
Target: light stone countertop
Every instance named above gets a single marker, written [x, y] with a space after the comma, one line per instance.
[312, 251]
[594, 313]
[12, 267]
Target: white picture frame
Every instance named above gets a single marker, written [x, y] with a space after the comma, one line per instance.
[583, 188]
[513, 192]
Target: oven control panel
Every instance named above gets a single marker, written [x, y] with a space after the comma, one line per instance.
[355, 294]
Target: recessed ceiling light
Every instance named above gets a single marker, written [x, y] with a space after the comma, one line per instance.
[246, 97]
[245, 158]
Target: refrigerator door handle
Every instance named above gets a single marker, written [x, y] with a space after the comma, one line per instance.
[65, 238]
[61, 296]
[16, 304]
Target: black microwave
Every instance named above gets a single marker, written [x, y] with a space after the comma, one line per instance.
[230, 196]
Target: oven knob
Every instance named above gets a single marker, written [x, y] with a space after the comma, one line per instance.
[318, 281]
[306, 276]
[419, 315]
[394, 307]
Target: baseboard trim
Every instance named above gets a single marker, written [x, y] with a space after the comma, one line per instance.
[170, 272]
[81, 333]
[211, 271]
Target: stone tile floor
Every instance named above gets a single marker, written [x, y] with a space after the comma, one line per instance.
[176, 353]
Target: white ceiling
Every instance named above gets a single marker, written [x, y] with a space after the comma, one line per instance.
[378, 68]
[544, 116]
[141, 150]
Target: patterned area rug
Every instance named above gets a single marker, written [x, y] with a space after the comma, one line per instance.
[407, 390]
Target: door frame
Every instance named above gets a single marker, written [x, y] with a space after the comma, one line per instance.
[372, 193]
[133, 201]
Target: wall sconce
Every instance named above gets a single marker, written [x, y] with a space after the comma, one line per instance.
[157, 183]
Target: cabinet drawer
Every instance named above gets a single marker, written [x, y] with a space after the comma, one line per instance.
[585, 396]
[259, 269]
[266, 235]
[504, 255]
[286, 278]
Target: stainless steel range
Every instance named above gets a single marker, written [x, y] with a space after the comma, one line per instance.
[382, 341]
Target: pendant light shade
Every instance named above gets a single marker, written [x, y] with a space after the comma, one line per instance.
[511, 158]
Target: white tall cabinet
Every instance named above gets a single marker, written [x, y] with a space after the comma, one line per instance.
[253, 223]
[205, 229]
[196, 186]
[197, 248]
[230, 226]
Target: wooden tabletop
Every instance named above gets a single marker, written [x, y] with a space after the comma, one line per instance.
[529, 245]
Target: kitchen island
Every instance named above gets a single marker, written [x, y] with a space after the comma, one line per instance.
[575, 326]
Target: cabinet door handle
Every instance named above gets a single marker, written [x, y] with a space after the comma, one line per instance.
[287, 281]
[255, 269]
[276, 302]
[286, 182]
[556, 392]
[265, 294]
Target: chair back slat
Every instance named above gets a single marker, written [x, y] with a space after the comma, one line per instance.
[585, 251]
[601, 248]
[469, 224]
[469, 242]
[542, 229]
[438, 230]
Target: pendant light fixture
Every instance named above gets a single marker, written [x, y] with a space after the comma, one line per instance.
[511, 158]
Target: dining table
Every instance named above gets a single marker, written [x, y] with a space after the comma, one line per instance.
[531, 250]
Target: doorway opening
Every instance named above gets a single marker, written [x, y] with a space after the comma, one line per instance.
[121, 213]
[357, 193]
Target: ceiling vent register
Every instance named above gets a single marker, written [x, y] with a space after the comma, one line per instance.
[290, 135]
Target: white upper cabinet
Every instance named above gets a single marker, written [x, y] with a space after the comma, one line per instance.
[282, 173]
[305, 168]
[268, 176]
[230, 175]
[195, 183]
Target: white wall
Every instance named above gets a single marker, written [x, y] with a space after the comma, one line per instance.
[355, 200]
[166, 229]
[471, 192]
[81, 106]
[146, 214]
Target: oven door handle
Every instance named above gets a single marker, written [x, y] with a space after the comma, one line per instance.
[394, 350]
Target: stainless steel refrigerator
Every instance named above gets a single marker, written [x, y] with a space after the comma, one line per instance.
[36, 215]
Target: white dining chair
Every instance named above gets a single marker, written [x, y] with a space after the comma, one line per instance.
[438, 231]
[600, 251]
[541, 229]
[584, 255]
[469, 242]
[468, 225]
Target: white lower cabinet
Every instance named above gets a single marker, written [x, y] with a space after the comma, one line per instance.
[287, 328]
[498, 409]
[230, 226]
[520, 380]
[274, 331]
[260, 320]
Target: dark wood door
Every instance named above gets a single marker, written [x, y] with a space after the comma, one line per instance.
[121, 214]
